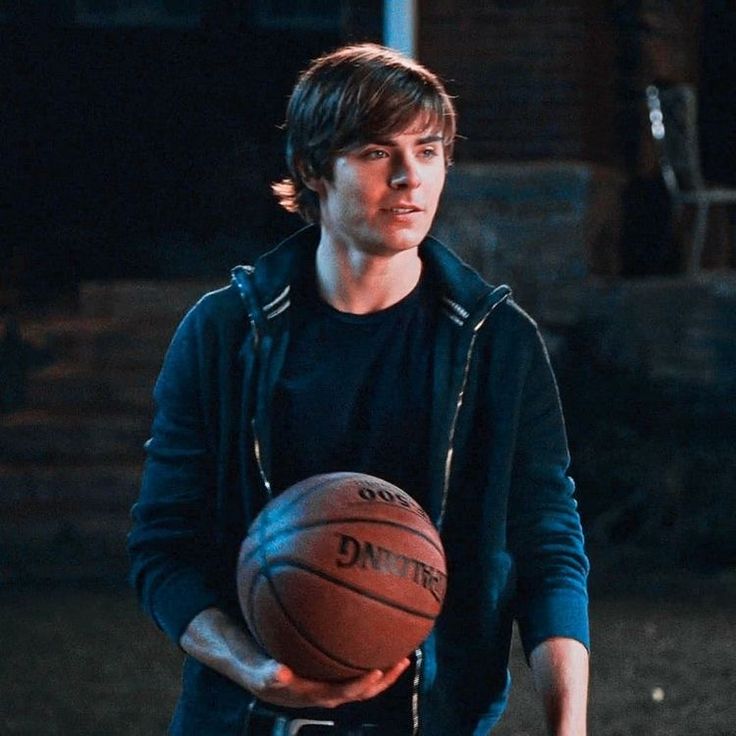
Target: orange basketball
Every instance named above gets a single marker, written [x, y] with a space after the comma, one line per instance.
[341, 574]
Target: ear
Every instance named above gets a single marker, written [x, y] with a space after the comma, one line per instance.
[316, 184]
[308, 178]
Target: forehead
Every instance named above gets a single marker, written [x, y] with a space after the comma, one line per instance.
[423, 128]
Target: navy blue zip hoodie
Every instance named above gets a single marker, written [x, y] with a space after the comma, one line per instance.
[499, 493]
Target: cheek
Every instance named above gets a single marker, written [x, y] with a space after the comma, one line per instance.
[357, 197]
[434, 193]
[440, 180]
[440, 185]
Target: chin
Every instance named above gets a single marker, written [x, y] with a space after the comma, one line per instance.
[405, 240]
[410, 243]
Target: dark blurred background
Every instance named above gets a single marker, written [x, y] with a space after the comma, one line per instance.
[129, 126]
[138, 141]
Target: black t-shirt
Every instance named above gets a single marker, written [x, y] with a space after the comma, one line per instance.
[355, 394]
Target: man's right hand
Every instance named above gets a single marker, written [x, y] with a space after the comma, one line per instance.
[222, 644]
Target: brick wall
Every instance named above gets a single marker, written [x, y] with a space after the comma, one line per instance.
[533, 225]
[533, 79]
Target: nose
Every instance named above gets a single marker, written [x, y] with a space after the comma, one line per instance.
[405, 174]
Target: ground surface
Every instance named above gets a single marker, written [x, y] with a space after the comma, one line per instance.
[87, 662]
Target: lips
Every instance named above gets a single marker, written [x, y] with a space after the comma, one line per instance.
[403, 209]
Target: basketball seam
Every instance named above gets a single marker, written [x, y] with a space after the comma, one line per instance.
[251, 618]
[265, 537]
[288, 561]
[262, 521]
[306, 636]
[323, 480]
[320, 482]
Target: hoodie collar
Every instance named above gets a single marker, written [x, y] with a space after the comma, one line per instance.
[465, 295]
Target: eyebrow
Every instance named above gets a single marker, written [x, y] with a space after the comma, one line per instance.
[433, 138]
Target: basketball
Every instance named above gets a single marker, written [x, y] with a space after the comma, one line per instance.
[341, 574]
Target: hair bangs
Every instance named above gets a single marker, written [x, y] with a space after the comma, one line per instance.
[387, 106]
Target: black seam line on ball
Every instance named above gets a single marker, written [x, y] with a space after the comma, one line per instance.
[288, 562]
[265, 537]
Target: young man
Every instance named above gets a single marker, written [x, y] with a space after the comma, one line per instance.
[363, 344]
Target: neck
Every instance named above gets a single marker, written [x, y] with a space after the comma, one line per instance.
[353, 281]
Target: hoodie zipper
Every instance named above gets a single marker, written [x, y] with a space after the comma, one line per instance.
[259, 462]
[458, 407]
[419, 655]
[446, 483]
[256, 442]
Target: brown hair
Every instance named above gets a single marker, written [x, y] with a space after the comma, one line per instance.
[348, 97]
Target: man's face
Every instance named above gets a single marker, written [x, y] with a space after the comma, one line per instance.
[383, 195]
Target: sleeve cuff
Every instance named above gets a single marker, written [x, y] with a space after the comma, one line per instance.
[560, 613]
[179, 600]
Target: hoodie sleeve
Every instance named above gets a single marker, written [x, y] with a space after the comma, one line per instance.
[545, 533]
[170, 543]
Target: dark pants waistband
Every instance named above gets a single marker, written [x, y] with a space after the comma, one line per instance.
[266, 723]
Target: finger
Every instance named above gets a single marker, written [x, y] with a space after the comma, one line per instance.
[374, 682]
[372, 678]
[390, 676]
[279, 677]
[360, 684]
[386, 680]
[332, 694]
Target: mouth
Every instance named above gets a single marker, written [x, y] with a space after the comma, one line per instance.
[403, 210]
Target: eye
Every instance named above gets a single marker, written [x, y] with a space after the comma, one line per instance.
[429, 152]
[373, 154]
